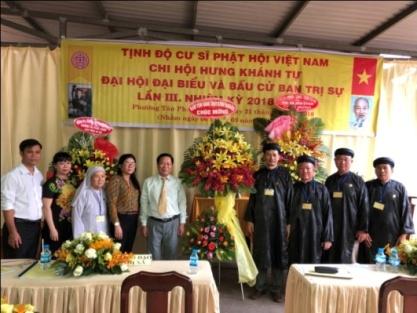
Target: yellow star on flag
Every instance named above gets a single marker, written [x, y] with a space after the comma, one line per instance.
[364, 77]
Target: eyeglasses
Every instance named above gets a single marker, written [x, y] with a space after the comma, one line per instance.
[129, 164]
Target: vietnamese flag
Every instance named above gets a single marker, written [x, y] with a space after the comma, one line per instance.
[364, 76]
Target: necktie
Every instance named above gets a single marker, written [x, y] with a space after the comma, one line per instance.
[162, 205]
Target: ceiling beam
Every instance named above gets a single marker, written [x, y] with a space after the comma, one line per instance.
[194, 17]
[51, 39]
[380, 29]
[299, 7]
[14, 6]
[140, 28]
[103, 13]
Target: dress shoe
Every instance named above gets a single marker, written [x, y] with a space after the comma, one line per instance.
[277, 297]
[257, 293]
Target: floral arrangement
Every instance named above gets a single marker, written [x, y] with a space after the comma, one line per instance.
[219, 162]
[209, 237]
[92, 253]
[87, 150]
[16, 308]
[66, 192]
[296, 135]
[407, 252]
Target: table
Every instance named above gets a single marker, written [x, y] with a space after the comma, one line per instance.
[313, 294]
[200, 203]
[100, 293]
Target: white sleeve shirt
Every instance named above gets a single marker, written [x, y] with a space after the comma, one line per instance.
[151, 190]
[22, 192]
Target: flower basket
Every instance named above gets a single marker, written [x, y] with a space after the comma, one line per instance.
[219, 162]
[16, 308]
[211, 238]
[87, 150]
[92, 253]
[407, 252]
[297, 136]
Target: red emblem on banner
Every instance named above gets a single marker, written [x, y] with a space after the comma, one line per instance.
[212, 108]
[300, 102]
[92, 125]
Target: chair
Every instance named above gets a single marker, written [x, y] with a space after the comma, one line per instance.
[406, 286]
[156, 286]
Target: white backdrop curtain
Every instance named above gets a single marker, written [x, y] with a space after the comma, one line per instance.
[30, 108]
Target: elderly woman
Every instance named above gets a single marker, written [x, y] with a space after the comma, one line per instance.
[89, 211]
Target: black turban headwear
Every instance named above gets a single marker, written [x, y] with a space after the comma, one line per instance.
[344, 151]
[271, 146]
[384, 160]
[306, 158]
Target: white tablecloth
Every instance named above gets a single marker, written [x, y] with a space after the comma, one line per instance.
[313, 294]
[100, 293]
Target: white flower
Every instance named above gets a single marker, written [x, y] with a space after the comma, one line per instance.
[67, 244]
[102, 235]
[107, 256]
[79, 249]
[123, 267]
[408, 248]
[7, 308]
[117, 246]
[29, 308]
[91, 253]
[78, 270]
[88, 236]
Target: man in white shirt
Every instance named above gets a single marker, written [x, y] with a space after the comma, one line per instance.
[21, 203]
[163, 226]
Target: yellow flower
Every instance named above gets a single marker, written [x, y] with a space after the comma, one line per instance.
[92, 252]
[220, 153]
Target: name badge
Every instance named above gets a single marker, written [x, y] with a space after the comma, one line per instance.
[379, 206]
[306, 206]
[100, 218]
[269, 192]
[337, 194]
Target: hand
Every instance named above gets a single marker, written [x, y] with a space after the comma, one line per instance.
[401, 238]
[288, 231]
[361, 236]
[145, 231]
[326, 245]
[250, 227]
[181, 230]
[118, 232]
[367, 240]
[53, 234]
[14, 240]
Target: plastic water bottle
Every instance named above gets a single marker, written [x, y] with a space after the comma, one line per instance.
[380, 260]
[394, 261]
[46, 257]
[193, 262]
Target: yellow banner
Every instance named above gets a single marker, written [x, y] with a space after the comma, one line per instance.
[150, 85]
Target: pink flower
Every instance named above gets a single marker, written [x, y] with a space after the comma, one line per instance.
[279, 126]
